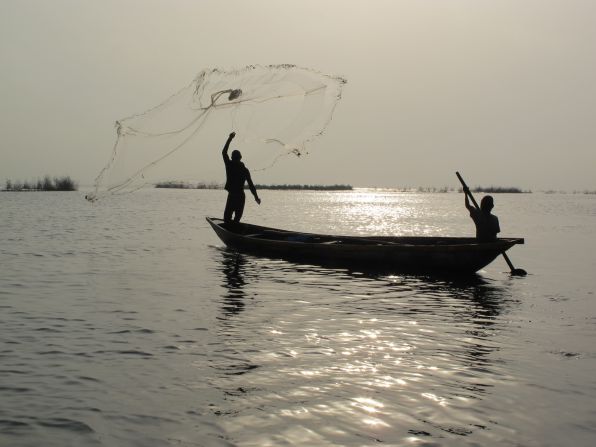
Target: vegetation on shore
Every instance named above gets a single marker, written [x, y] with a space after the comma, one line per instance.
[214, 185]
[186, 185]
[307, 187]
[498, 189]
[477, 189]
[64, 183]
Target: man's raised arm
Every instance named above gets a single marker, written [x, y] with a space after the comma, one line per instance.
[468, 206]
[224, 152]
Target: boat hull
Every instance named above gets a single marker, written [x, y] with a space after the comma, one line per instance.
[386, 253]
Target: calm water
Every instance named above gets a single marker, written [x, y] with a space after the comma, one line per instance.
[128, 324]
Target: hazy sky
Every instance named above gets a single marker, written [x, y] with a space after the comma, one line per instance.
[502, 90]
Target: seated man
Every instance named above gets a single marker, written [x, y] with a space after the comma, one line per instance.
[487, 224]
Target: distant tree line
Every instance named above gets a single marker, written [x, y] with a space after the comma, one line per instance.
[186, 185]
[46, 184]
[214, 185]
[433, 189]
[478, 189]
[497, 189]
[307, 187]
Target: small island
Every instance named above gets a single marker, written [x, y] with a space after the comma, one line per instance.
[64, 183]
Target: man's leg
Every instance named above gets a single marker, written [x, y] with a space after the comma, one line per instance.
[229, 208]
[239, 207]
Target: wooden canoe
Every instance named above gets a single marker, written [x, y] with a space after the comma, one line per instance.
[387, 253]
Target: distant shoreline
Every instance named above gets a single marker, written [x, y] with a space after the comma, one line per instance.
[477, 189]
[64, 183]
[173, 184]
[307, 187]
[213, 185]
[499, 190]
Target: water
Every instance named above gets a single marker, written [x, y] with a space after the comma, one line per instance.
[128, 324]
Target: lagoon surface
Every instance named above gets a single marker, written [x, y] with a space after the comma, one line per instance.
[126, 323]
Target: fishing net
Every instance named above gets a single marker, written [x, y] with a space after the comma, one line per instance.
[274, 110]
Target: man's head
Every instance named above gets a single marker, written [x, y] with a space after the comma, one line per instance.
[487, 204]
[236, 155]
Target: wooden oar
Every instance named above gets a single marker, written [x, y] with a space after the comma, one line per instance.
[514, 271]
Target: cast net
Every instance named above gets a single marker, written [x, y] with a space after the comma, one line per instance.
[274, 110]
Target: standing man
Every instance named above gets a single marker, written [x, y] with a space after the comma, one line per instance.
[236, 175]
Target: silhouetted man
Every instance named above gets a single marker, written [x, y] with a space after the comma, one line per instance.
[487, 224]
[236, 175]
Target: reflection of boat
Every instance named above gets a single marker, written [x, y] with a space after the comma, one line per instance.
[422, 254]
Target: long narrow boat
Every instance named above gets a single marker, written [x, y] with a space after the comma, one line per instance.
[387, 253]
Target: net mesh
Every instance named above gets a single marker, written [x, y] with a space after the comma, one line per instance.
[275, 111]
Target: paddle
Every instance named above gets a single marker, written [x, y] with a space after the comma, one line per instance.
[514, 271]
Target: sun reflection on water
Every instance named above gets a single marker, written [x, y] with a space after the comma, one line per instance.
[368, 212]
[381, 214]
[440, 400]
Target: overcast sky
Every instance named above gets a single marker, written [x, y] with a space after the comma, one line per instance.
[502, 90]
